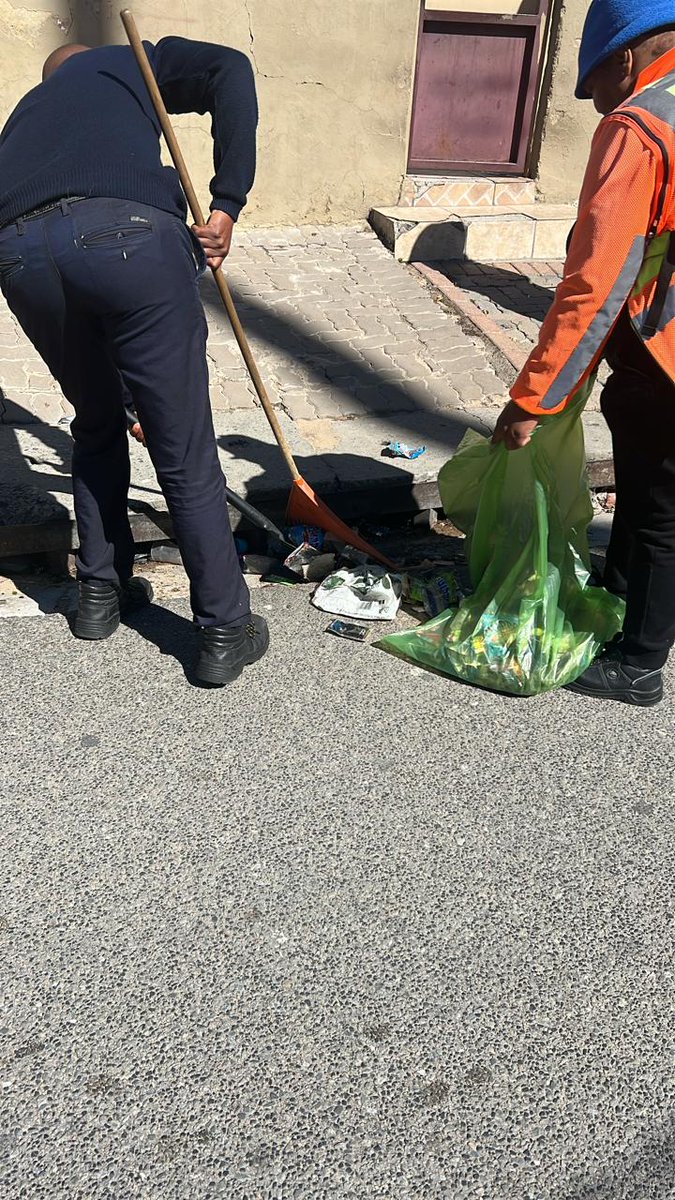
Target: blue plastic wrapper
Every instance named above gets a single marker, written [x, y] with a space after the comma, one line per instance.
[400, 450]
[306, 535]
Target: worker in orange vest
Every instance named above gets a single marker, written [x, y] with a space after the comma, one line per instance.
[617, 301]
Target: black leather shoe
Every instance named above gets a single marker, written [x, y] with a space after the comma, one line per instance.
[101, 605]
[610, 678]
[225, 650]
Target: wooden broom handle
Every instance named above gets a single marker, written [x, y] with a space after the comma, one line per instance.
[198, 218]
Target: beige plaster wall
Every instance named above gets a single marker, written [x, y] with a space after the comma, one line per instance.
[566, 125]
[334, 85]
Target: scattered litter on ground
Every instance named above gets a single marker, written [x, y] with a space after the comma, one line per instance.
[434, 590]
[348, 554]
[300, 558]
[310, 564]
[281, 574]
[400, 450]
[370, 593]
[309, 534]
[343, 629]
[320, 567]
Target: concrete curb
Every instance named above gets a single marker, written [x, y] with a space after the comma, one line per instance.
[373, 500]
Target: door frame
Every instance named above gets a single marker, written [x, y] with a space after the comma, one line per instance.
[533, 26]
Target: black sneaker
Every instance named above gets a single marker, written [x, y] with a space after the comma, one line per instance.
[225, 650]
[101, 604]
[610, 678]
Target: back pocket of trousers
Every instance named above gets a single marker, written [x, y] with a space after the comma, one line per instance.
[10, 267]
[116, 235]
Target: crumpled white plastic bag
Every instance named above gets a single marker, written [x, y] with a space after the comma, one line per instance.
[369, 593]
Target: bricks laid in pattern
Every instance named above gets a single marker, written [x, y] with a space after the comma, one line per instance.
[516, 295]
[513, 296]
[339, 329]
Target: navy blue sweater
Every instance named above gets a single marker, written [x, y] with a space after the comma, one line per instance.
[91, 129]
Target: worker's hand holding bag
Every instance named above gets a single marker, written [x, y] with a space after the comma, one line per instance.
[514, 428]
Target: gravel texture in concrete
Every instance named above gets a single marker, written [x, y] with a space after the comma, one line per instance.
[347, 930]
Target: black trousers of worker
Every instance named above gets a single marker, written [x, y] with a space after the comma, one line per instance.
[640, 412]
[107, 292]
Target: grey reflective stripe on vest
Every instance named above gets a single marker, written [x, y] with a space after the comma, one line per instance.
[597, 333]
[658, 100]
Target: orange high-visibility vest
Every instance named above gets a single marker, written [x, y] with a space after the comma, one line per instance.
[644, 279]
[651, 300]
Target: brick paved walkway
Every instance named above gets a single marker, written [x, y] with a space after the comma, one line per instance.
[340, 330]
[356, 350]
[516, 296]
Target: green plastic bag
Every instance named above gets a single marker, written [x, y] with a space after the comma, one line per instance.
[532, 623]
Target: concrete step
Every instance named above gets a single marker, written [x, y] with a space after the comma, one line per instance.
[507, 234]
[466, 191]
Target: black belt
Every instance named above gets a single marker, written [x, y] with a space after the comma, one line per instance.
[47, 208]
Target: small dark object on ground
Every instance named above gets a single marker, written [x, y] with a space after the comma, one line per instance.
[401, 450]
[344, 629]
[281, 574]
[306, 535]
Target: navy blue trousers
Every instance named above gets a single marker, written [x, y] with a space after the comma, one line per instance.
[106, 290]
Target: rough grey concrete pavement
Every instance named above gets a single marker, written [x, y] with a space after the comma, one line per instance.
[346, 930]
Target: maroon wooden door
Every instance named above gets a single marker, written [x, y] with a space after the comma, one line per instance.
[475, 90]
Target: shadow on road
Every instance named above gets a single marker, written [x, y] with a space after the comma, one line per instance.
[648, 1173]
[28, 479]
[172, 634]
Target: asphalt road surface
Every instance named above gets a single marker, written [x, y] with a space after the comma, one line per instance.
[345, 930]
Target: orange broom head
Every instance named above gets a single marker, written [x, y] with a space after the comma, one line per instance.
[305, 508]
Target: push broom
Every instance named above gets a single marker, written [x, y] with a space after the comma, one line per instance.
[304, 506]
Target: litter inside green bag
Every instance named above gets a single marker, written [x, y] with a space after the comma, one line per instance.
[533, 622]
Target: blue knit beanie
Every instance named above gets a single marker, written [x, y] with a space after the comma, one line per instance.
[613, 24]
